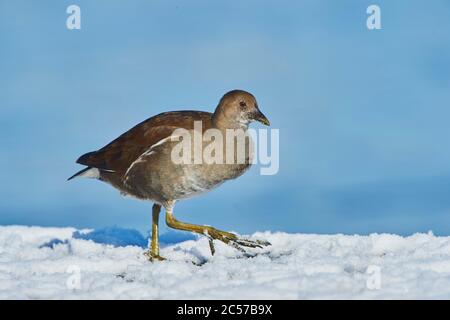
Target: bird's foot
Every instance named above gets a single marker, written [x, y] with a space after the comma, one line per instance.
[153, 256]
[232, 240]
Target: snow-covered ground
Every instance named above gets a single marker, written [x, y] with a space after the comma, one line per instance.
[63, 263]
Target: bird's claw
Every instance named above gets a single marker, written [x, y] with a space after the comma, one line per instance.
[153, 257]
[233, 240]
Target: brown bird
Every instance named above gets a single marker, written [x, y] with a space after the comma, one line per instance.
[140, 162]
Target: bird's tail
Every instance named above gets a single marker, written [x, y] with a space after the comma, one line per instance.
[88, 172]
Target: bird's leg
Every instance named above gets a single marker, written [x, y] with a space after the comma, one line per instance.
[153, 252]
[214, 234]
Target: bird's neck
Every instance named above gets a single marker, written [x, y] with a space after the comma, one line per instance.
[220, 121]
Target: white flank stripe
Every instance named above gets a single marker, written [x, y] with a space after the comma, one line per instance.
[92, 173]
[148, 152]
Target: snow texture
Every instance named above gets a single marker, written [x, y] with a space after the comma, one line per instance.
[65, 263]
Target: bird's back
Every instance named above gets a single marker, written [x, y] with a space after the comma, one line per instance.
[119, 154]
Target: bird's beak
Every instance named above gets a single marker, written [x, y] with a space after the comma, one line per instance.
[260, 117]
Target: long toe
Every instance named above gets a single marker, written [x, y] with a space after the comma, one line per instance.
[250, 243]
[233, 240]
[253, 243]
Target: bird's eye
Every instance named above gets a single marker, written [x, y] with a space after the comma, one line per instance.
[242, 104]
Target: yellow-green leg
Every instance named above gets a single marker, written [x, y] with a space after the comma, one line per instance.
[153, 252]
[213, 234]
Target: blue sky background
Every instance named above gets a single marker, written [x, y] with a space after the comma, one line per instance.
[363, 115]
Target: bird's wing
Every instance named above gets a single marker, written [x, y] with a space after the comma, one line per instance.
[119, 154]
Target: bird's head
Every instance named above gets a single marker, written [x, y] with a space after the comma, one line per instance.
[238, 108]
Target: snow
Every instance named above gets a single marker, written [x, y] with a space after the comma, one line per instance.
[65, 263]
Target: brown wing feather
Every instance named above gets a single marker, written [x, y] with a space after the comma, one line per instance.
[119, 154]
